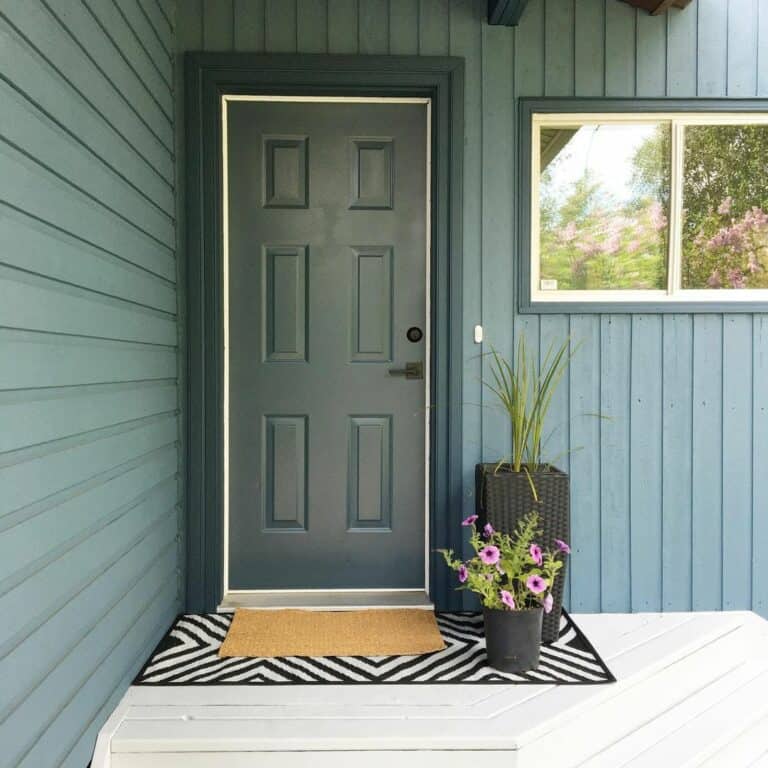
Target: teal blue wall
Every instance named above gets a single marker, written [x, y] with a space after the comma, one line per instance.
[88, 365]
[670, 495]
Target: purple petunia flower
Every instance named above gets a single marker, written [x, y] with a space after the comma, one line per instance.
[470, 520]
[488, 530]
[562, 546]
[507, 599]
[536, 555]
[489, 554]
[548, 602]
[536, 584]
[463, 573]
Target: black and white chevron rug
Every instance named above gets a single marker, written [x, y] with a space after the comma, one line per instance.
[187, 655]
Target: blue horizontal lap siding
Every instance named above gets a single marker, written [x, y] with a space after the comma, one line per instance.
[669, 500]
[89, 445]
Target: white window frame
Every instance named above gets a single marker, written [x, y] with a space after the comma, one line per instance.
[674, 292]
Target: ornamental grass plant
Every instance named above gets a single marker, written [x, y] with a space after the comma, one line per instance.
[525, 392]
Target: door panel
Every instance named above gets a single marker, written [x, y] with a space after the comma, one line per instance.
[327, 271]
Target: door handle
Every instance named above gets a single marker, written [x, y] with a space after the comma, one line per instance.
[411, 371]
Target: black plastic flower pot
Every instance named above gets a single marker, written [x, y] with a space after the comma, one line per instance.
[503, 497]
[513, 638]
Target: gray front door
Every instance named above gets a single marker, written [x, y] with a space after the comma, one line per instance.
[327, 232]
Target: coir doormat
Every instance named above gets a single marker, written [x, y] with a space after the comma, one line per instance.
[189, 655]
[372, 632]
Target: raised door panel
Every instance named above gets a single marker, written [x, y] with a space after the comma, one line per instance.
[285, 473]
[286, 182]
[372, 300]
[372, 173]
[285, 303]
[370, 477]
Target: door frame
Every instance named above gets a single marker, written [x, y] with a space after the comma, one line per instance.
[208, 77]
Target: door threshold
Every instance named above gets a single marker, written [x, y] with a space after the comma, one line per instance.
[321, 599]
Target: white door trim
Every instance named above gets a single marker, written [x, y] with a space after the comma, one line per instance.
[351, 597]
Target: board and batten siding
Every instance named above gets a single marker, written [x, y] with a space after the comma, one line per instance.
[670, 489]
[89, 446]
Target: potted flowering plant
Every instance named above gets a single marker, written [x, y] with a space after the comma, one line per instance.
[513, 577]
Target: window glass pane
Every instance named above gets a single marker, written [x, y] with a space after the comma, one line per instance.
[725, 207]
[604, 206]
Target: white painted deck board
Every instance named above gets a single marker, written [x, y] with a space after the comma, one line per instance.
[666, 722]
[677, 675]
[346, 759]
[748, 748]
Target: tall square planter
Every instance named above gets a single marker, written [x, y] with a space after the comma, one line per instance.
[502, 498]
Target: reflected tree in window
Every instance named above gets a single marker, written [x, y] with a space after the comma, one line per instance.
[725, 207]
[604, 206]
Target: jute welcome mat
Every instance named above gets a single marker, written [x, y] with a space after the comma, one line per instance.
[189, 655]
[377, 632]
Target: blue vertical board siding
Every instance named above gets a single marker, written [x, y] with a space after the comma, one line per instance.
[760, 399]
[249, 27]
[496, 294]
[681, 54]
[90, 519]
[529, 69]
[615, 462]
[742, 47]
[707, 465]
[280, 26]
[620, 75]
[589, 47]
[737, 461]
[459, 33]
[529, 80]
[582, 443]
[554, 329]
[661, 501]
[218, 27]
[312, 26]
[374, 27]
[651, 54]
[712, 49]
[559, 47]
[762, 54]
[591, 536]
[342, 26]
[676, 454]
[759, 464]
[404, 27]
[646, 463]
[434, 25]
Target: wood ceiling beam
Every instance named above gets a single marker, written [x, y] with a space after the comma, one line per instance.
[508, 12]
[657, 7]
[505, 12]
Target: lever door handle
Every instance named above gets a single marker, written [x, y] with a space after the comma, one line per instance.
[411, 371]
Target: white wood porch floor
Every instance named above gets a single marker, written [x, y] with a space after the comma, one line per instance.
[692, 690]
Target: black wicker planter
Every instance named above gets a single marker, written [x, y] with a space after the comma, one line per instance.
[503, 497]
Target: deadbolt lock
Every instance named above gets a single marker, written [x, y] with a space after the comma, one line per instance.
[411, 371]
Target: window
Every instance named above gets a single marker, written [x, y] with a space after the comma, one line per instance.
[647, 208]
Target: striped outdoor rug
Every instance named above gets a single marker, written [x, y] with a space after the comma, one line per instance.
[188, 655]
